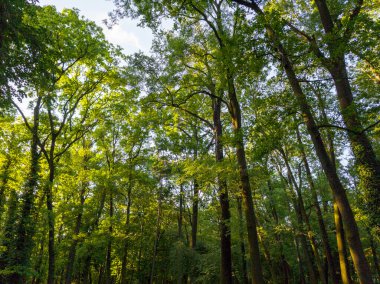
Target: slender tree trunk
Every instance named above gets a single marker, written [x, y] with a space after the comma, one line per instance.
[225, 230]
[367, 163]
[285, 275]
[322, 227]
[125, 250]
[250, 215]
[180, 217]
[241, 240]
[194, 216]
[51, 225]
[86, 276]
[37, 278]
[195, 205]
[304, 219]
[78, 223]
[157, 237]
[302, 279]
[108, 274]
[73, 247]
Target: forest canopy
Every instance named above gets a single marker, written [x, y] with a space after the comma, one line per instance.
[244, 148]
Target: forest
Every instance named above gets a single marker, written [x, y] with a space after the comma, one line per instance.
[244, 148]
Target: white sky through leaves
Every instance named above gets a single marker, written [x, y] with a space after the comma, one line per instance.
[125, 34]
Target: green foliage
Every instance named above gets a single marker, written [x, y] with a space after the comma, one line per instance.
[123, 143]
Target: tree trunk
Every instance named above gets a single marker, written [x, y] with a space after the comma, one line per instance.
[285, 271]
[344, 265]
[72, 250]
[108, 274]
[49, 207]
[157, 237]
[25, 228]
[366, 162]
[194, 216]
[180, 217]
[4, 182]
[303, 218]
[86, 276]
[241, 240]
[125, 250]
[322, 227]
[374, 253]
[225, 230]
[302, 279]
[250, 215]
[350, 226]
[341, 242]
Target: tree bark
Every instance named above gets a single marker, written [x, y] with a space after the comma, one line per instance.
[194, 216]
[341, 242]
[350, 226]
[51, 223]
[343, 261]
[304, 219]
[285, 271]
[127, 223]
[241, 241]
[108, 274]
[72, 250]
[25, 229]
[225, 230]
[250, 215]
[367, 164]
[180, 217]
[322, 227]
[4, 181]
[157, 237]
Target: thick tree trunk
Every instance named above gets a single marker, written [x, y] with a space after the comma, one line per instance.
[25, 228]
[225, 230]
[366, 162]
[341, 243]
[350, 226]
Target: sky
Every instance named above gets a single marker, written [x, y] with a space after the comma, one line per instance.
[126, 33]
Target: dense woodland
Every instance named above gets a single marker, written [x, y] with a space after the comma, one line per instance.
[243, 149]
